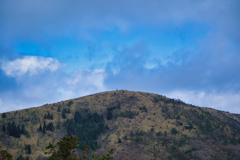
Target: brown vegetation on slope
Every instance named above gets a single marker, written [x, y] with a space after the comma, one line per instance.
[136, 125]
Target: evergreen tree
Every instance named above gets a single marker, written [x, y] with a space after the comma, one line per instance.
[59, 110]
[58, 125]
[119, 140]
[78, 117]
[19, 130]
[48, 116]
[4, 115]
[14, 131]
[109, 115]
[131, 134]
[3, 128]
[40, 128]
[45, 116]
[70, 103]
[64, 110]
[44, 128]
[9, 126]
[51, 117]
[28, 149]
[50, 127]
[68, 111]
[20, 158]
[44, 125]
[66, 150]
[5, 155]
[64, 115]
[17, 134]
[23, 130]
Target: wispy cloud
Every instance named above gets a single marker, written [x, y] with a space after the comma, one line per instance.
[29, 64]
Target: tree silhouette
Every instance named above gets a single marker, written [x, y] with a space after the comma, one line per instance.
[66, 150]
[119, 140]
[20, 158]
[40, 128]
[59, 110]
[28, 149]
[3, 128]
[109, 115]
[4, 115]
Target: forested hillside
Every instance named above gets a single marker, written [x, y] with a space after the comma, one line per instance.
[136, 125]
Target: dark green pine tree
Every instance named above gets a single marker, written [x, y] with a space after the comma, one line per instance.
[51, 117]
[68, 111]
[131, 134]
[29, 149]
[40, 128]
[64, 115]
[44, 128]
[14, 131]
[3, 128]
[20, 158]
[18, 130]
[59, 110]
[44, 125]
[23, 130]
[48, 116]
[50, 126]
[4, 115]
[9, 126]
[109, 115]
[119, 140]
[78, 117]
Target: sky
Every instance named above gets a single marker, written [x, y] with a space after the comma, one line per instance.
[56, 50]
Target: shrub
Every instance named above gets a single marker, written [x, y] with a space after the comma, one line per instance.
[174, 131]
[119, 140]
[158, 134]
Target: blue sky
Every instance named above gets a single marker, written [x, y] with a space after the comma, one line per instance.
[56, 50]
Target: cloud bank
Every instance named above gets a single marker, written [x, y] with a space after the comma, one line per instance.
[56, 50]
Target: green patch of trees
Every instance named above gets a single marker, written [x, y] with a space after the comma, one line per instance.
[64, 112]
[143, 109]
[86, 127]
[66, 150]
[15, 130]
[5, 155]
[70, 103]
[48, 116]
[45, 127]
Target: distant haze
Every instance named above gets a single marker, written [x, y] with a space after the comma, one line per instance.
[56, 50]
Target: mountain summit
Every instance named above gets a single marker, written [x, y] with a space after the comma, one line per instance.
[137, 125]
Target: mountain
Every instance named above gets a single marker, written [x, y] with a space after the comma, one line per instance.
[137, 125]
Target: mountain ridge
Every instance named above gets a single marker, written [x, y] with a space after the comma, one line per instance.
[135, 124]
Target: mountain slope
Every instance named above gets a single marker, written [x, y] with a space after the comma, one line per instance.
[136, 125]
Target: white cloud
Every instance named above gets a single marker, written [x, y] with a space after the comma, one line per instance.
[29, 64]
[220, 101]
[87, 78]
